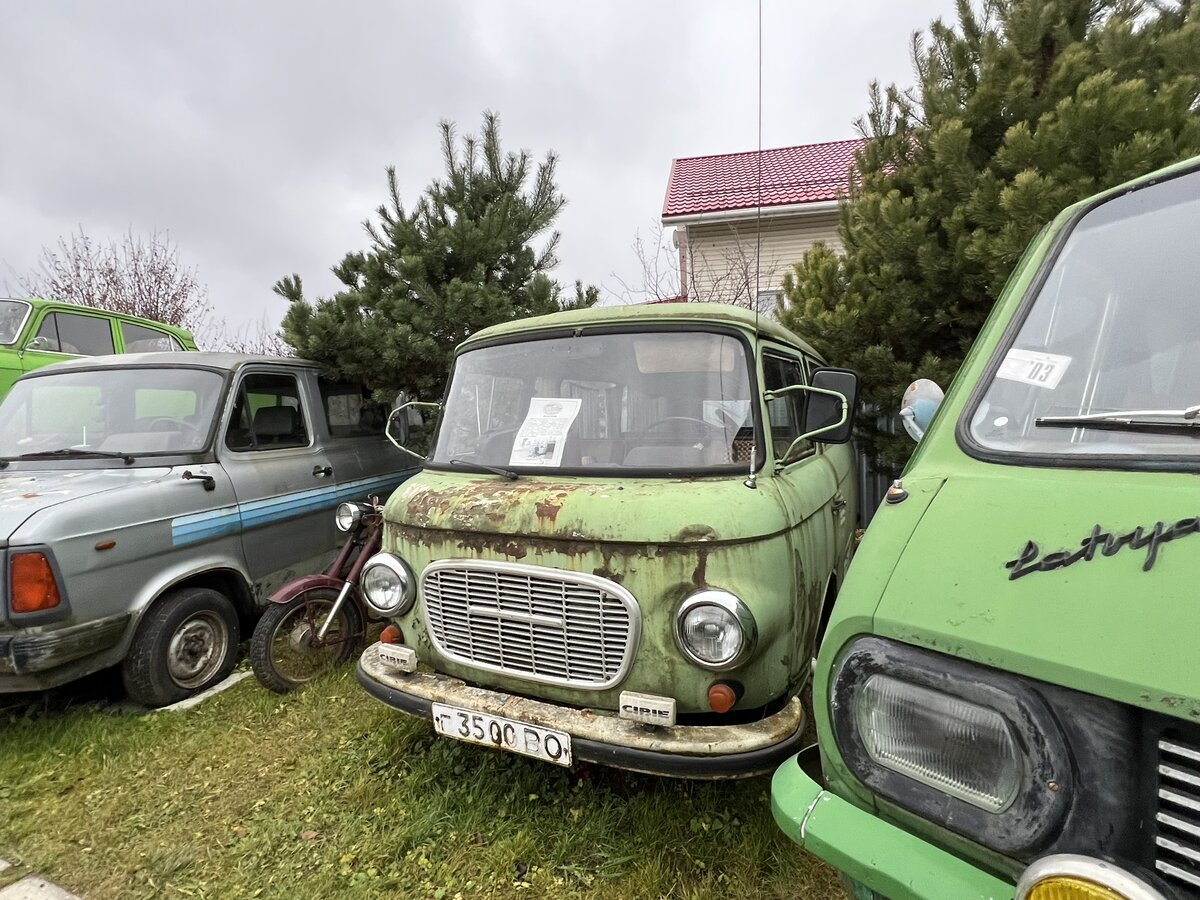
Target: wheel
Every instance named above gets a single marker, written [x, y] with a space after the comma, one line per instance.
[186, 642]
[285, 651]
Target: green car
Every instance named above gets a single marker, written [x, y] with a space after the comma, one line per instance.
[622, 543]
[1008, 693]
[36, 333]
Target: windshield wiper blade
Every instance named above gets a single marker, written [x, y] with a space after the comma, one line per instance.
[483, 467]
[1133, 420]
[78, 453]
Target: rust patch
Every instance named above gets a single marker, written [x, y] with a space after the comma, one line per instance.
[699, 576]
[606, 572]
[692, 533]
[30, 496]
[548, 510]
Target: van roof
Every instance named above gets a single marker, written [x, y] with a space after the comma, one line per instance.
[39, 303]
[195, 359]
[647, 313]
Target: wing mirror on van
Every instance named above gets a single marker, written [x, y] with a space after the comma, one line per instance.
[829, 410]
[920, 402]
[405, 413]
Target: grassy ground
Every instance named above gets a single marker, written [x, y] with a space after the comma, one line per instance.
[327, 793]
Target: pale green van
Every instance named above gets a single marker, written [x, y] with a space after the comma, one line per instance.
[36, 333]
[1008, 694]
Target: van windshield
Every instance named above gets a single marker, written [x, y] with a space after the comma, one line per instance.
[1114, 334]
[677, 400]
[12, 319]
[138, 411]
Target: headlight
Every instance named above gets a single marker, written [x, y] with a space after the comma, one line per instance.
[347, 515]
[715, 630]
[387, 585]
[974, 749]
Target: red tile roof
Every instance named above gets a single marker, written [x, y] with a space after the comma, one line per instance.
[808, 173]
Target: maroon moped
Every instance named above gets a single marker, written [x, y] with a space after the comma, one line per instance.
[316, 622]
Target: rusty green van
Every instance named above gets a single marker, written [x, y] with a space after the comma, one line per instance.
[622, 541]
[1008, 693]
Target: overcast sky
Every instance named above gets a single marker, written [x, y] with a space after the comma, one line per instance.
[258, 133]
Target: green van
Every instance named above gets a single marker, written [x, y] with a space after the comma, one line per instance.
[36, 333]
[622, 542]
[1008, 693]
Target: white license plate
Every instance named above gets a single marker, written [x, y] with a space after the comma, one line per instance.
[547, 744]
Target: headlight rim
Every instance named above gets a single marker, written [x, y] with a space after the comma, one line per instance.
[400, 568]
[358, 510]
[1102, 872]
[1030, 822]
[733, 605]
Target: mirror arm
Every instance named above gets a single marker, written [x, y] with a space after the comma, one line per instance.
[401, 408]
[770, 395]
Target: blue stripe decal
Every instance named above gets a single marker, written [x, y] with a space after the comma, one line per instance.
[225, 520]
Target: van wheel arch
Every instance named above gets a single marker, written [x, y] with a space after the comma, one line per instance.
[229, 582]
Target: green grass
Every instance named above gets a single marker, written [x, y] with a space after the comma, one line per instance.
[327, 793]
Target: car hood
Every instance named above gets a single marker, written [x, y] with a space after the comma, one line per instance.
[23, 494]
[1119, 620]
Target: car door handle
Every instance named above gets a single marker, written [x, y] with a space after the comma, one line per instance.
[322, 471]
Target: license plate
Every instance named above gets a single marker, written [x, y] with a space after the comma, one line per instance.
[547, 744]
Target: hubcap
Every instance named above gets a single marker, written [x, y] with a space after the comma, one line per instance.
[197, 649]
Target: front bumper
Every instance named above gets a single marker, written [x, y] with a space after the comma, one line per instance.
[35, 659]
[681, 751]
[880, 856]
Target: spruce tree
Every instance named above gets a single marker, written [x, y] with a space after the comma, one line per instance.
[1024, 107]
[460, 259]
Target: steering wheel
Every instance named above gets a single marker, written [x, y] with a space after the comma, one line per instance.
[707, 426]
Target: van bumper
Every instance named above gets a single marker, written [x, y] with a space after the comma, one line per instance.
[877, 855]
[35, 659]
[681, 751]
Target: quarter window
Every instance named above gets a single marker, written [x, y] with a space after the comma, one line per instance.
[267, 415]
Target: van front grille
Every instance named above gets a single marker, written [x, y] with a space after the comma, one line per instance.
[1177, 833]
[537, 623]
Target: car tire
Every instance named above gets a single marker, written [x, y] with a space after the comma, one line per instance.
[186, 642]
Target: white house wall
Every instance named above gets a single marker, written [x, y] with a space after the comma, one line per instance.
[722, 253]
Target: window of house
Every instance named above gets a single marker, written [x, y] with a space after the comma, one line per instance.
[785, 413]
[71, 333]
[267, 415]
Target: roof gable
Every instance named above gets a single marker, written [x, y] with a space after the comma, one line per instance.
[807, 173]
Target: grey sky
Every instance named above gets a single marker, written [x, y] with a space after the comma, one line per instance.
[257, 133]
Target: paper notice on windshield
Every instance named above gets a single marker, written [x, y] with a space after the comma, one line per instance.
[543, 434]
[1044, 370]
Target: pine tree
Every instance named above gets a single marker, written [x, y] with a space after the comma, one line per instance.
[459, 260]
[1023, 108]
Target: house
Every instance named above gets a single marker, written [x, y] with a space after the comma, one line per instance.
[730, 249]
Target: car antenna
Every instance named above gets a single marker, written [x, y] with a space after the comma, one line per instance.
[752, 480]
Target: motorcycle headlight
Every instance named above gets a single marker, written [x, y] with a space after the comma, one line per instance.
[715, 630]
[972, 748]
[347, 516]
[387, 585]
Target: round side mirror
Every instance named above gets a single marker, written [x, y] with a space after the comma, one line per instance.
[920, 402]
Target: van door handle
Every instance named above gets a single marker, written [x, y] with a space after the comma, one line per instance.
[839, 503]
[322, 471]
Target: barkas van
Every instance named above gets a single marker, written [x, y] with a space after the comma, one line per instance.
[622, 542]
[1008, 694]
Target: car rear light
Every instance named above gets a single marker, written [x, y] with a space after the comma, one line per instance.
[32, 585]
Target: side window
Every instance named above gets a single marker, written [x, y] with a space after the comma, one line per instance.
[349, 410]
[81, 335]
[140, 339]
[267, 415]
[785, 413]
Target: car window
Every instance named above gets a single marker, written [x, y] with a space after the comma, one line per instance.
[267, 415]
[349, 410]
[140, 339]
[71, 333]
[786, 413]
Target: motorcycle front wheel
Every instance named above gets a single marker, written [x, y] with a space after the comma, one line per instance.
[285, 651]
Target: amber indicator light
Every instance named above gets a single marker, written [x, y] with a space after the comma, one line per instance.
[721, 697]
[390, 635]
[32, 585]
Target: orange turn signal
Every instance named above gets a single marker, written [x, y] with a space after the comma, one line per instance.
[32, 585]
[721, 697]
[390, 635]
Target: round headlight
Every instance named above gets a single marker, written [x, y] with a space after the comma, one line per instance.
[347, 516]
[715, 630]
[1068, 876]
[387, 585]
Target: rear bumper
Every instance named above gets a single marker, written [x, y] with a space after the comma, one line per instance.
[872, 852]
[710, 751]
[34, 659]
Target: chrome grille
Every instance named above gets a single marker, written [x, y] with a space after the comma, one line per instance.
[541, 624]
[1177, 839]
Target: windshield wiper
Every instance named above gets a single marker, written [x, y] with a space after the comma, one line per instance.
[1149, 420]
[77, 453]
[482, 467]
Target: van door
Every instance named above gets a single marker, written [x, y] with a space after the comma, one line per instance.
[351, 432]
[282, 478]
[807, 488]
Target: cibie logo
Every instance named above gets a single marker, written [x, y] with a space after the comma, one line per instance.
[631, 710]
[649, 709]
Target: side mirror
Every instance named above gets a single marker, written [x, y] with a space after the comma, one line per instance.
[832, 403]
[41, 342]
[917, 409]
[397, 425]
[406, 412]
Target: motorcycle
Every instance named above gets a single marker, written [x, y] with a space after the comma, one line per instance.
[316, 622]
